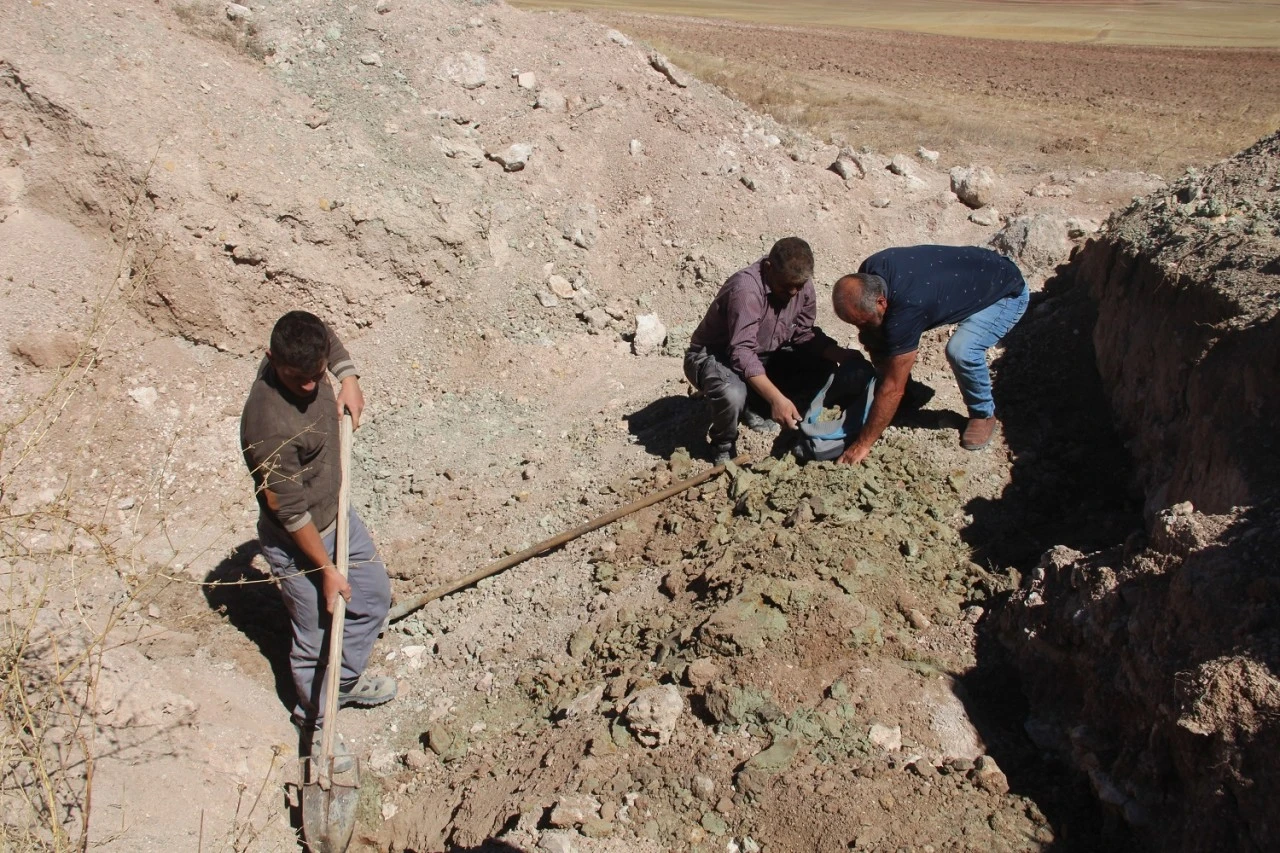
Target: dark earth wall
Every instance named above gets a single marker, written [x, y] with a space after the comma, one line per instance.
[1153, 666]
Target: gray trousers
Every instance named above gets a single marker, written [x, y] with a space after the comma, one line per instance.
[303, 598]
[796, 373]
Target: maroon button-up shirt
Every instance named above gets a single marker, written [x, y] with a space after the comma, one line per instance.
[745, 320]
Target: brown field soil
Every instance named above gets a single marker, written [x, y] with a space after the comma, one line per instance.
[1228, 23]
[1015, 104]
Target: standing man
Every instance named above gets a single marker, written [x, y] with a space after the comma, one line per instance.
[758, 347]
[289, 432]
[898, 294]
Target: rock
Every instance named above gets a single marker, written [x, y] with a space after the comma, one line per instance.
[371, 59]
[652, 714]
[547, 300]
[513, 158]
[1037, 242]
[467, 151]
[704, 788]
[880, 203]
[847, 169]
[465, 69]
[236, 12]
[57, 349]
[985, 216]
[445, 743]
[714, 824]
[586, 703]
[527, 80]
[597, 319]
[556, 842]
[926, 155]
[560, 286]
[574, 810]
[251, 255]
[650, 335]
[702, 673]
[973, 185]
[416, 759]
[1050, 191]
[665, 67]
[316, 119]
[618, 38]
[923, 768]
[988, 776]
[382, 762]
[597, 827]
[888, 738]
[145, 397]
[917, 620]
[636, 148]
[777, 757]
[551, 101]
[901, 165]
[1078, 227]
[580, 224]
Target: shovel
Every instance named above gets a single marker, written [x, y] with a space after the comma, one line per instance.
[329, 798]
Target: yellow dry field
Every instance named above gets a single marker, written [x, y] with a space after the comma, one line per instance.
[1026, 102]
[1181, 23]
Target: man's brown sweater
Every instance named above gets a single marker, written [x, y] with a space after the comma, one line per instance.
[291, 446]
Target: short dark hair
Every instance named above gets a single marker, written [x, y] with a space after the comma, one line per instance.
[792, 260]
[871, 287]
[300, 340]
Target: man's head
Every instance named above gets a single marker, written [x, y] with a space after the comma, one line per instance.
[788, 266]
[859, 299]
[299, 352]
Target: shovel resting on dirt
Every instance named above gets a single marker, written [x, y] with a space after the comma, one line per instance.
[329, 798]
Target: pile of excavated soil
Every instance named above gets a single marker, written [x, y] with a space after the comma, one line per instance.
[775, 657]
[1153, 665]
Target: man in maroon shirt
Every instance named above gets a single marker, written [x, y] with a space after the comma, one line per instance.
[758, 347]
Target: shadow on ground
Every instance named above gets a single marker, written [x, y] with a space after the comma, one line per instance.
[251, 602]
[1070, 484]
[669, 423]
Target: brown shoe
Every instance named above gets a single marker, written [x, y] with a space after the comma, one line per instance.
[978, 433]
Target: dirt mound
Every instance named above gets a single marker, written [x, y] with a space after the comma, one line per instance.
[801, 623]
[1154, 665]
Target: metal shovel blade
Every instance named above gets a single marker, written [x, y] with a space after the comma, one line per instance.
[329, 806]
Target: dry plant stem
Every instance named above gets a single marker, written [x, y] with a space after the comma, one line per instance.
[405, 608]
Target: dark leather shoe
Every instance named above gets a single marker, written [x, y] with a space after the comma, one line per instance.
[978, 433]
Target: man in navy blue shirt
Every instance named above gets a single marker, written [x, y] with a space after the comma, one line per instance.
[898, 294]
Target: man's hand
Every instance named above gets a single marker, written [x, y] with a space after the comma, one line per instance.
[785, 413]
[333, 585]
[854, 454]
[351, 399]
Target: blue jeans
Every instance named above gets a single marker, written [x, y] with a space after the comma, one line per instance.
[300, 589]
[967, 350]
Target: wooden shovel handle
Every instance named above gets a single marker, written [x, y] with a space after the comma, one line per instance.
[342, 546]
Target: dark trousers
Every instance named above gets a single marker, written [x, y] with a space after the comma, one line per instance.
[797, 373]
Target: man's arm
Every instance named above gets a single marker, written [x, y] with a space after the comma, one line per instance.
[890, 385]
[781, 409]
[343, 367]
[308, 540]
